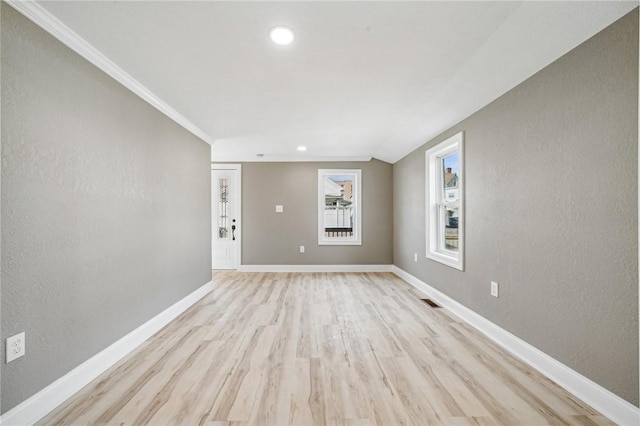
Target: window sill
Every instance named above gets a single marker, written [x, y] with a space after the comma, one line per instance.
[453, 262]
[340, 243]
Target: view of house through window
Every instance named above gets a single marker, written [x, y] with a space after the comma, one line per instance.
[445, 212]
[451, 206]
[338, 206]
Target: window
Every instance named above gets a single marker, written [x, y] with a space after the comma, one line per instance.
[339, 211]
[445, 202]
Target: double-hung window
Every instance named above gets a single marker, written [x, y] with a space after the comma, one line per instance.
[445, 202]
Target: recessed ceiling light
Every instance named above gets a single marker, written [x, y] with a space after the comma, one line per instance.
[281, 35]
[302, 148]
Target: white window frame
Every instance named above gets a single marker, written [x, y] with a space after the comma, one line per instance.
[436, 202]
[356, 239]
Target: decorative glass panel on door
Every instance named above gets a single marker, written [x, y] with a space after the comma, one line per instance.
[223, 209]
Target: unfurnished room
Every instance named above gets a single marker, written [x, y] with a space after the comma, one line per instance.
[319, 213]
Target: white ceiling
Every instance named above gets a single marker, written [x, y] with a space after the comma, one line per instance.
[361, 79]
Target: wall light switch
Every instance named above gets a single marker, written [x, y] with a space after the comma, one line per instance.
[301, 249]
[494, 289]
[415, 257]
[279, 208]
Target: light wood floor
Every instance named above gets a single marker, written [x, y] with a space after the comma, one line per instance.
[320, 348]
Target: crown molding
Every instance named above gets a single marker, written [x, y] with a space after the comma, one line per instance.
[48, 22]
[284, 158]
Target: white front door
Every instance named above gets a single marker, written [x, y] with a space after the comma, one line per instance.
[225, 208]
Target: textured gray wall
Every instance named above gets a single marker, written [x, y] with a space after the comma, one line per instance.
[551, 210]
[271, 238]
[105, 209]
[1, 56]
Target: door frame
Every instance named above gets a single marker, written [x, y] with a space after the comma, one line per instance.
[237, 195]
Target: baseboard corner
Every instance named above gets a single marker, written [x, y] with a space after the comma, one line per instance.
[315, 268]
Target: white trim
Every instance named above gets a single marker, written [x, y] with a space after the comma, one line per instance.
[238, 196]
[315, 268]
[356, 188]
[601, 399]
[226, 166]
[433, 186]
[39, 405]
[298, 158]
[239, 222]
[48, 22]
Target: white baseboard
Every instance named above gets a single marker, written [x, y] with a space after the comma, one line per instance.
[315, 268]
[39, 405]
[606, 402]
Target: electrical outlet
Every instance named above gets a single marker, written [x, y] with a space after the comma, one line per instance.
[301, 249]
[415, 257]
[15, 346]
[279, 208]
[494, 289]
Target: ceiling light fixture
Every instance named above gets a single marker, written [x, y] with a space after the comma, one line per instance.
[281, 35]
[302, 148]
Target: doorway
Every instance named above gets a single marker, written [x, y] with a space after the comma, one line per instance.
[226, 212]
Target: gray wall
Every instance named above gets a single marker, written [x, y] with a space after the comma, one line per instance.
[271, 238]
[551, 210]
[105, 209]
[1, 56]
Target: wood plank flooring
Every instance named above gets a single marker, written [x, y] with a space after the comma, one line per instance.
[320, 348]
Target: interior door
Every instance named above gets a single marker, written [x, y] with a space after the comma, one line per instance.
[225, 208]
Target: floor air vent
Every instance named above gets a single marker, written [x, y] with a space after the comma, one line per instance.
[431, 303]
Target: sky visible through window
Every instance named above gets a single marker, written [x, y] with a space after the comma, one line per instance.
[340, 178]
[452, 161]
